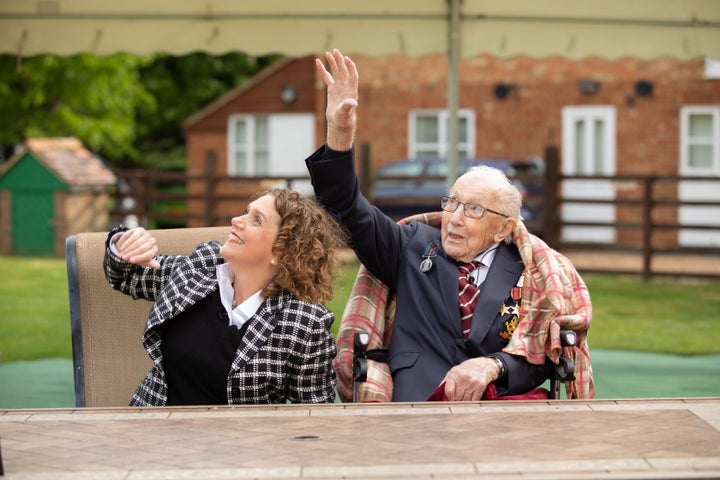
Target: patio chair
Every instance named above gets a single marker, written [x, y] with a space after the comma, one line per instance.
[108, 356]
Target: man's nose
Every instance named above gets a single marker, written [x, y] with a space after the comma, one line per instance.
[458, 215]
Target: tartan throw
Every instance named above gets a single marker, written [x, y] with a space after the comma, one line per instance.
[554, 297]
[468, 295]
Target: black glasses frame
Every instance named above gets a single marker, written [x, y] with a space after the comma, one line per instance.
[444, 205]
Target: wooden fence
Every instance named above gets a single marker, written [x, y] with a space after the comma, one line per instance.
[647, 227]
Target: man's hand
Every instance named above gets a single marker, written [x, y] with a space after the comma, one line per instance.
[342, 99]
[468, 381]
[138, 247]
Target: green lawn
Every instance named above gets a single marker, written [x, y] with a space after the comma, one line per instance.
[667, 315]
[35, 319]
[663, 315]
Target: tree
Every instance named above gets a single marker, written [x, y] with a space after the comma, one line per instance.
[181, 86]
[127, 109]
[93, 98]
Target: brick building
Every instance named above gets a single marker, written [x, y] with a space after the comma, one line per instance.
[624, 116]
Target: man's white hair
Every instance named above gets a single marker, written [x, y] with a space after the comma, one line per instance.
[509, 197]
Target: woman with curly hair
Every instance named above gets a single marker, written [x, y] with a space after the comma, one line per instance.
[242, 322]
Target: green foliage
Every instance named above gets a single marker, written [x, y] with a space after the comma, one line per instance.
[184, 85]
[127, 109]
[93, 98]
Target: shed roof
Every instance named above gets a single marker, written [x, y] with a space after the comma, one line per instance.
[68, 158]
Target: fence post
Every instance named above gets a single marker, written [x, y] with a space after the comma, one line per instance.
[210, 173]
[139, 190]
[647, 228]
[551, 212]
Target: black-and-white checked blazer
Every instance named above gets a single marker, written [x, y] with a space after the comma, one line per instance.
[285, 355]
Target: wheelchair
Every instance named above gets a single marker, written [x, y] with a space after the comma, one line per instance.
[563, 371]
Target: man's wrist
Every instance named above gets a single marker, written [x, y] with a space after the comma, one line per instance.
[340, 141]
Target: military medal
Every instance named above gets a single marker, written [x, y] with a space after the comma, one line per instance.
[427, 263]
[516, 291]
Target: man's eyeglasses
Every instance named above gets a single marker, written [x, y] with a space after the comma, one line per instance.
[450, 204]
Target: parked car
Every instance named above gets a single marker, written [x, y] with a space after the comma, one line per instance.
[402, 188]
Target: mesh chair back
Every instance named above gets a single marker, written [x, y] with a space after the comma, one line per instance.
[108, 357]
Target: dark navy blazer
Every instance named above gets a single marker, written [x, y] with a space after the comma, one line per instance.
[427, 339]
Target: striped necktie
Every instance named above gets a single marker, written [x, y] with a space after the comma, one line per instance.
[468, 297]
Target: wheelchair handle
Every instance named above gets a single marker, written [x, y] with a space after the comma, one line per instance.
[564, 371]
[568, 338]
[361, 340]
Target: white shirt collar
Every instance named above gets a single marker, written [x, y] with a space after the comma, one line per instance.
[485, 258]
[243, 312]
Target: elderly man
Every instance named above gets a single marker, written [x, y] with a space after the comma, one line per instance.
[457, 288]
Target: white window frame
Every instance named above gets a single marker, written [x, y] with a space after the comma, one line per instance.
[250, 147]
[589, 189]
[607, 114]
[441, 147]
[706, 190]
[686, 142]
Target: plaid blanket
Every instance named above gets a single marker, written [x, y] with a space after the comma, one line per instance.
[554, 298]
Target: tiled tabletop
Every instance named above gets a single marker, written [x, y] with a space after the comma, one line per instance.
[563, 439]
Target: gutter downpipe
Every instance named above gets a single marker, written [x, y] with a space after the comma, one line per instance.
[453, 88]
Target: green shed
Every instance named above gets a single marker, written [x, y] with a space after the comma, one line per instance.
[52, 188]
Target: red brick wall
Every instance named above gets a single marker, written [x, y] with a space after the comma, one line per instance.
[522, 124]
[519, 126]
[263, 96]
[525, 122]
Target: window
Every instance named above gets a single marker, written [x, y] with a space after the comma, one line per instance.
[249, 145]
[699, 157]
[429, 132]
[700, 140]
[589, 140]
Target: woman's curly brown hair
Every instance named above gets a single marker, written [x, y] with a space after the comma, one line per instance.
[307, 248]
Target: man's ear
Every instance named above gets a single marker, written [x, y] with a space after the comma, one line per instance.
[507, 229]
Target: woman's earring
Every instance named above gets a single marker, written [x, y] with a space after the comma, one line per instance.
[272, 262]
